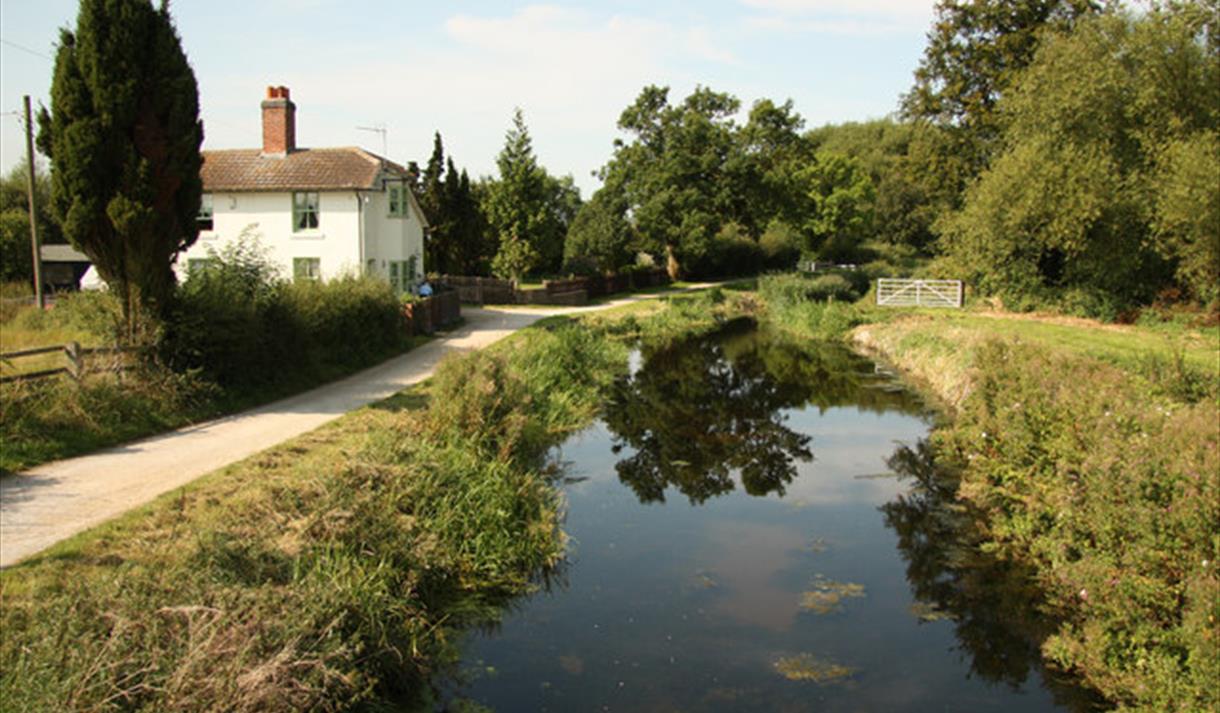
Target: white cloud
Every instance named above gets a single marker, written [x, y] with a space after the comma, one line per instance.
[841, 17]
[842, 27]
[885, 8]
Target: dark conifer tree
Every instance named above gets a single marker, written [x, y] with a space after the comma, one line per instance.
[123, 134]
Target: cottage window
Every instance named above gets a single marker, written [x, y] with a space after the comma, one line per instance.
[402, 274]
[398, 201]
[205, 212]
[304, 211]
[306, 268]
[371, 267]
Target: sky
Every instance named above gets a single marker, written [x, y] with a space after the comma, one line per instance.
[460, 68]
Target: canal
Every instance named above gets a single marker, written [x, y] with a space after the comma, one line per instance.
[753, 527]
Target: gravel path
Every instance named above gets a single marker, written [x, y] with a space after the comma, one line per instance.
[57, 500]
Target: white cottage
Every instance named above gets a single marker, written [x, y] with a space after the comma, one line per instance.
[319, 213]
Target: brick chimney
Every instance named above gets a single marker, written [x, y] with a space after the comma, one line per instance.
[279, 123]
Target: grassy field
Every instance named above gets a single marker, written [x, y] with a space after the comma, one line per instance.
[339, 570]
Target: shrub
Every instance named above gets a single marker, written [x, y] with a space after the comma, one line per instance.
[243, 327]
[1113, 496]
[781, 245]
[732, 252]
[582, 266]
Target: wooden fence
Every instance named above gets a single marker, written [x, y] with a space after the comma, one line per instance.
[569, 291]
[919, 293]
[425, 315]
[76, 358]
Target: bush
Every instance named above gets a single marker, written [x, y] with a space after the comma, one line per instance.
[781, 245]
[582, 266]
[731, 253]
[241, 326]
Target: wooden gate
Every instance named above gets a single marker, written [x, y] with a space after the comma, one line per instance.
[919, 293]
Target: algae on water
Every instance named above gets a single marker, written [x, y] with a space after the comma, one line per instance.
[827, 595]
[807, 667]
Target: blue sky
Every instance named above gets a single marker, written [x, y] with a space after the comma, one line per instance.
[461, 67]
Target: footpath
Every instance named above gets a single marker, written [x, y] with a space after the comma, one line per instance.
[56, 500]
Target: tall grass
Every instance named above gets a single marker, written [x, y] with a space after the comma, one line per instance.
[1099, 476]
[822, 307]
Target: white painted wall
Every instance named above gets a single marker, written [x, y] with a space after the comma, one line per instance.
[391, 238]
[336, 241]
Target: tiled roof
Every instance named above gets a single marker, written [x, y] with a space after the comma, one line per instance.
[302, 169]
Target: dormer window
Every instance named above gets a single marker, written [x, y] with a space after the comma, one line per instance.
[204, 219]
[398, 201]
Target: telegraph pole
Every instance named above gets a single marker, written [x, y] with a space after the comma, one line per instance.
[34, 245]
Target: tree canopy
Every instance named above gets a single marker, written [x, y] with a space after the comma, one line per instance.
[975, 50]
[457, 241]
[16, 257]
[123, 134]
[1105, 182]
[528, 209]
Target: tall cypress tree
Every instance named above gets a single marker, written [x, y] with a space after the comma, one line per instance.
[123, 135]
[431, 199]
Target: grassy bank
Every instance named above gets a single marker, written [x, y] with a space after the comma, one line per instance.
[337, 571]
[1087, 455]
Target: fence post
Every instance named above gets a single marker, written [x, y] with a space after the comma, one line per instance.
[75, 363]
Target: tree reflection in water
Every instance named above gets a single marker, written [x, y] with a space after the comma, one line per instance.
[699, 411]
[993, 603]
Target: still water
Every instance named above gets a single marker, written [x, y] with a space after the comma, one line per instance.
[740, 541]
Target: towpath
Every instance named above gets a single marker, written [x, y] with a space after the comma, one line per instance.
[56, 500]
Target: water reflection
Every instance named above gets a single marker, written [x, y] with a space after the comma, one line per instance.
[697, 412]
[753, 603]
[992, 602]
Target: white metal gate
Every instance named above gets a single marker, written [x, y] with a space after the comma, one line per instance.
[919, 293]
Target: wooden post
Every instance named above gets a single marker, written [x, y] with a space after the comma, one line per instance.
[34, 244]
[75, 362]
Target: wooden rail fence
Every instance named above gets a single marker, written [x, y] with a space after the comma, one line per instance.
[919, 293]
[75, 355]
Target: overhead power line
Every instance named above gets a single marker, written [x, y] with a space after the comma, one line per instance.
[27, 50]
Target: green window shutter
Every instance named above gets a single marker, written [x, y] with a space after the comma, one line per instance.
[394, 275]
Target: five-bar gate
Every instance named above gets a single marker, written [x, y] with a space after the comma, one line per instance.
[919, 293]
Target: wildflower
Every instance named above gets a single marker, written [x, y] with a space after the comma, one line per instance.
[1084, 594]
